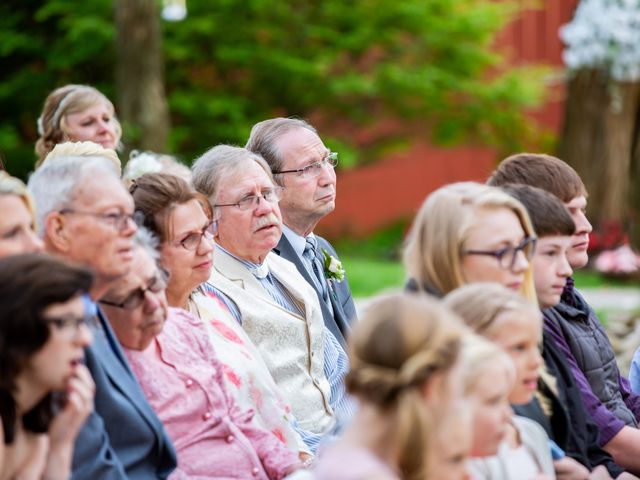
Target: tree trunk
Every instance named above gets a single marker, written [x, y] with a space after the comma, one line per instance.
[635, 185]
[620, 120]
[142, 103]
[598, 141]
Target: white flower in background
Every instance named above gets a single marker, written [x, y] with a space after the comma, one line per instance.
[141, 163]
[604, 34]
[174, 10]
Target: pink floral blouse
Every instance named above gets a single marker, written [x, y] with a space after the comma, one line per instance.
[246, 374]
[214, 439]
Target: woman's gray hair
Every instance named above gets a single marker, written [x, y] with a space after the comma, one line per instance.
[218, 163]
[148, 242]
[53, 186]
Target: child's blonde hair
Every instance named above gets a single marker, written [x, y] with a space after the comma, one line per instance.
[401, 344]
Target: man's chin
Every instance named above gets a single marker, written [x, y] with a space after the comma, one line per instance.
[578, 260]
[327, 208]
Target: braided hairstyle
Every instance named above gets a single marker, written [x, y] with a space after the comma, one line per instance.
[401, 344]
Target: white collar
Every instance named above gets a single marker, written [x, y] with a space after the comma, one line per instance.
[298, 242]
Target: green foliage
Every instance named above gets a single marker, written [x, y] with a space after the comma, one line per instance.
[421, 66]
[388, 275]
[44, 45]
[384, 244]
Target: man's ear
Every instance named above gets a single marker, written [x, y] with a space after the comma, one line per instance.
[56, 232]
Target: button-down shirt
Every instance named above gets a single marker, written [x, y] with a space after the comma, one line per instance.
[183, 380]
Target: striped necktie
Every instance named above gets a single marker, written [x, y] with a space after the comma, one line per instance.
[316, 268]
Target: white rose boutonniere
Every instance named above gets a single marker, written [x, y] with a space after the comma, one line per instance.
[333, 269]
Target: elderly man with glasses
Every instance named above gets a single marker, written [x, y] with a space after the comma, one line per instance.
[304, 167]
[276, 306]
[85, 215]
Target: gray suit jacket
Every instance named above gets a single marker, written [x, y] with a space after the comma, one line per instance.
[337, 319]
[122, 438]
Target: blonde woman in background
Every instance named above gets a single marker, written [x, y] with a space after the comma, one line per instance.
[17, 218]
[77, 113]
[403, 356]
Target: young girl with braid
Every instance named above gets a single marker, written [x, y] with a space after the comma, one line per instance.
[515, 326]
[504, 446]
[403, 371]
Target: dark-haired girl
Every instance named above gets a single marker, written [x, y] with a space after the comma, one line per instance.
[46, 392]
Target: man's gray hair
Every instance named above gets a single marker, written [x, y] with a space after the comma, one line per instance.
[218, 163]
[263, 136]
[54, 185]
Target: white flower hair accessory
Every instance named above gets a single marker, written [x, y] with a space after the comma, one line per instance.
[140, 163]
[333, 268]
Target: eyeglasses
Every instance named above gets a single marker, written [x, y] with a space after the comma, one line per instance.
[192, 241]
[313, 170]
[507, 255]
[135, 298]
[120, 221]
[271, 195]
[71, 325]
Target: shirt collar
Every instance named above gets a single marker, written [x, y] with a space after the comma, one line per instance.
[298, 242]
[259, 270]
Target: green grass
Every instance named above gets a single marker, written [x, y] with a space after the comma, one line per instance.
[593, 279]
[368, 275]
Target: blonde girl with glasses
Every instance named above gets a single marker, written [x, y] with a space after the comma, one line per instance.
[468, 232]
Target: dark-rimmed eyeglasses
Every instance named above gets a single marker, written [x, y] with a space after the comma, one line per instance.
[313, 170]
[70, 324]
[120, 221]
[507, 255]
[271, 195]
[135, 298]
[192, 240]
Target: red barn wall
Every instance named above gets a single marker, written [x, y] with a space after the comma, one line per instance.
[372, 197]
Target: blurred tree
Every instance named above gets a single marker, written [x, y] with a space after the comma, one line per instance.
[368, 72]
[600, 136]
[142, 103]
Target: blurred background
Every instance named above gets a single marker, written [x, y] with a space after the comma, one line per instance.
[412, 94]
